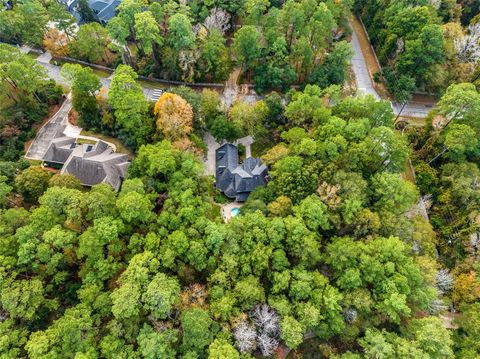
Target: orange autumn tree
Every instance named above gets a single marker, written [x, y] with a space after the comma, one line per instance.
[56, 42]
[174, 116]
[466, 288]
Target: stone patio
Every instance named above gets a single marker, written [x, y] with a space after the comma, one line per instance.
[226, 210]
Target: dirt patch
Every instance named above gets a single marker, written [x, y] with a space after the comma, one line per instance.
[52, 170]
[424, 99]
[26, 145]
[449, 320]
[350, 84]
[439, 122]
[73, 117]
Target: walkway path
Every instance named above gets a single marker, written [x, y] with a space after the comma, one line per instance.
[365, 83]
[231, 89]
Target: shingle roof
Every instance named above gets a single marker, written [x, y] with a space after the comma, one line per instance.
[108, 11]
[234, 180]
[59, 150]
[91, 164]
[98, 5]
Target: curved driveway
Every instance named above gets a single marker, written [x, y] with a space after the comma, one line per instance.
[53, 128]
[58, 124]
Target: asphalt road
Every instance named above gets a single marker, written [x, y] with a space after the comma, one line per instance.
[360, 69]
[365, 84]
[359, 66]
[54, 73]
[413, 109]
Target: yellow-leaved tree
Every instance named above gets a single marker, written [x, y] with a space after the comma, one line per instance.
[56, 42]
[174, 116]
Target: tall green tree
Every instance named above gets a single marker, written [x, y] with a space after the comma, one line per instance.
[86, 12]
[85, 85]
[198, 330]
[130, 106]
[180, 33]
[147, 32]
[246, 44]
[91, 42]
[32, 182]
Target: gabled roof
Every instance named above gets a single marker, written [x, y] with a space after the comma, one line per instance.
[60, 149]
[227, 155]
[97, 5]
[90, 163]
[105, 10]
[234, 180]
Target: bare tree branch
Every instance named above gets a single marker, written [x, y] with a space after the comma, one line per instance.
[217, 19]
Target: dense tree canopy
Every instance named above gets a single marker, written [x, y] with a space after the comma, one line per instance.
[422, 44]
[345, 252]
[327, 249]
[25, 96]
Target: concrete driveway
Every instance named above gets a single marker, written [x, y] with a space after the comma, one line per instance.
[212, 146]
[247, 142]
[53, 128]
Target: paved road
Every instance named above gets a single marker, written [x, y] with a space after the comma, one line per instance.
[54, 73]
[150, 92]
[413, 109]
[365, 84]
[49, 131]
[360, 69]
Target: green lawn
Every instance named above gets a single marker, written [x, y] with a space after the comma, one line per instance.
[98, 72]
[33, 55]
[84, 141]
[101, 73]
[151, 84]
[119, 144]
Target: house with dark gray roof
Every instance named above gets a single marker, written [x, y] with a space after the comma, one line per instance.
[238, 180]
[90, 163]
[104, 9]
